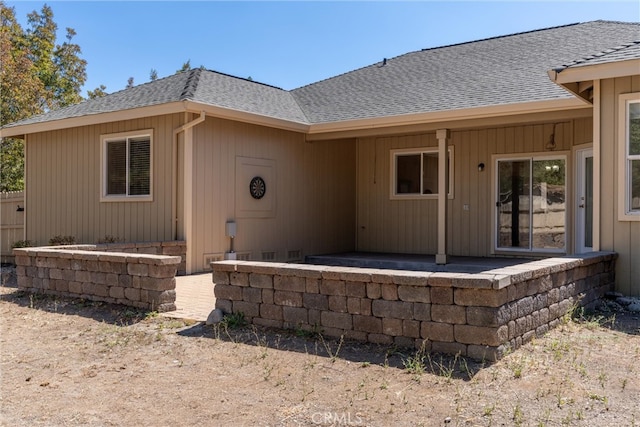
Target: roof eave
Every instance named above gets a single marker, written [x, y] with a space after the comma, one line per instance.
[155, 110]
[247, 117]
[596, 71]
[442, 117]
[93, 119]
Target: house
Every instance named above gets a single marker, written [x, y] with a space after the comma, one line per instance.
[522, 145]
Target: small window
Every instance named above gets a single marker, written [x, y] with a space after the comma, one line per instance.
[415, 173]
[630, 156]
[127, 167]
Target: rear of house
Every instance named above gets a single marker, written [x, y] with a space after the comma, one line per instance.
[491, 158]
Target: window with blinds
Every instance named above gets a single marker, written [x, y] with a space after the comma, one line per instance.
[127, 167]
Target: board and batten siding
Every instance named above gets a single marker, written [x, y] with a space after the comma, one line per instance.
[63, 176]
[315, 193]
[622, 237]
[410, 226]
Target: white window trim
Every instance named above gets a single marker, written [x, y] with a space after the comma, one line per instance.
[104, 139]
[499, 250]
[624, 211]
[430, 150]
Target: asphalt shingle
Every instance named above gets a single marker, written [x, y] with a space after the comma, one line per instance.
[497, 71]
[491, 72]
[623, 52]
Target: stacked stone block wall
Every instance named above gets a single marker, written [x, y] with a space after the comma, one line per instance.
[170, 248]
[477, 315]
[133, 279]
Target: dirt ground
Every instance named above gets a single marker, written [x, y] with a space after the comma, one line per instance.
[69, 362]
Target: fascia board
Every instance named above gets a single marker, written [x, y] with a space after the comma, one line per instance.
[169, 108]
[596, 71]
[309, 129]
[93, 119]
[246, 117]
[452, 115]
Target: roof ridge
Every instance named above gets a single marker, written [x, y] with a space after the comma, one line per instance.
[249, 79]
[385, 60]
[502, 36]
[191, 84]
[597, 55]
[529, 32]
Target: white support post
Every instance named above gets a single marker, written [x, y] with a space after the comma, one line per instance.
[442, 135]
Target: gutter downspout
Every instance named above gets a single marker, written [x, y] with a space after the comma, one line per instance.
[174, 174]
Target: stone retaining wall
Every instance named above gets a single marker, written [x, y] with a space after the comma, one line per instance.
[171, 248]
[138, 280]
[477, 315]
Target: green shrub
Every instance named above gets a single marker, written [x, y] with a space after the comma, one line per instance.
[22, 244]
[62, 240]
[110, 239]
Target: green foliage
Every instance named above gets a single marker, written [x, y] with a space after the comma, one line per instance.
[11, 164]
[37, 75]
[110, 239]
[234, 320]
[185, 67]
[97, 92]
[62, 240]
[22, 244]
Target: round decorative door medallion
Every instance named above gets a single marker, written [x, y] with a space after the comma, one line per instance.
[257, 187]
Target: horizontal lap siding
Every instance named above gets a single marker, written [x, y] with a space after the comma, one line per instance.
[64, 185]
[410, 226]
[315, 192]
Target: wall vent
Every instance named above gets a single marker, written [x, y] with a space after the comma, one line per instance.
[209, 258]
[243, 256]
[294, 255]
[269, 256]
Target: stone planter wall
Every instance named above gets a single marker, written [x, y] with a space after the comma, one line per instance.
[171, 248]
[477, 315]
[138, 280]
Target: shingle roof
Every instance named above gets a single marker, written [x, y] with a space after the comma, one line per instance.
[198, 85]
[622, 52]
[245, 95]
[496, 71]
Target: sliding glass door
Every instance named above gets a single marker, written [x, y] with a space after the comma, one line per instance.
[531, 208]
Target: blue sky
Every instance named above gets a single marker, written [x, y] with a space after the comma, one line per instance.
[292, 43]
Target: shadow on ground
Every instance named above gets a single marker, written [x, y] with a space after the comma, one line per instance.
[233, 329]
[363, 354]
[114, 314]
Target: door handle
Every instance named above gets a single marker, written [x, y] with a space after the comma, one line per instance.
[581, 206]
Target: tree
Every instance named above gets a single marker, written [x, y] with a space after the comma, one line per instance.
[59, 67]
[97, 92]
[153, 75]
[129, 83]
[36, 75]
[185, 67]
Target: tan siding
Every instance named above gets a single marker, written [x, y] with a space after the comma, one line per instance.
[63, 174]
[410, 226]
[315, 192]
[620, 236]
[583, 131]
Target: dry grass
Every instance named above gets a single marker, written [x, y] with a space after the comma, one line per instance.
[82, 363]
